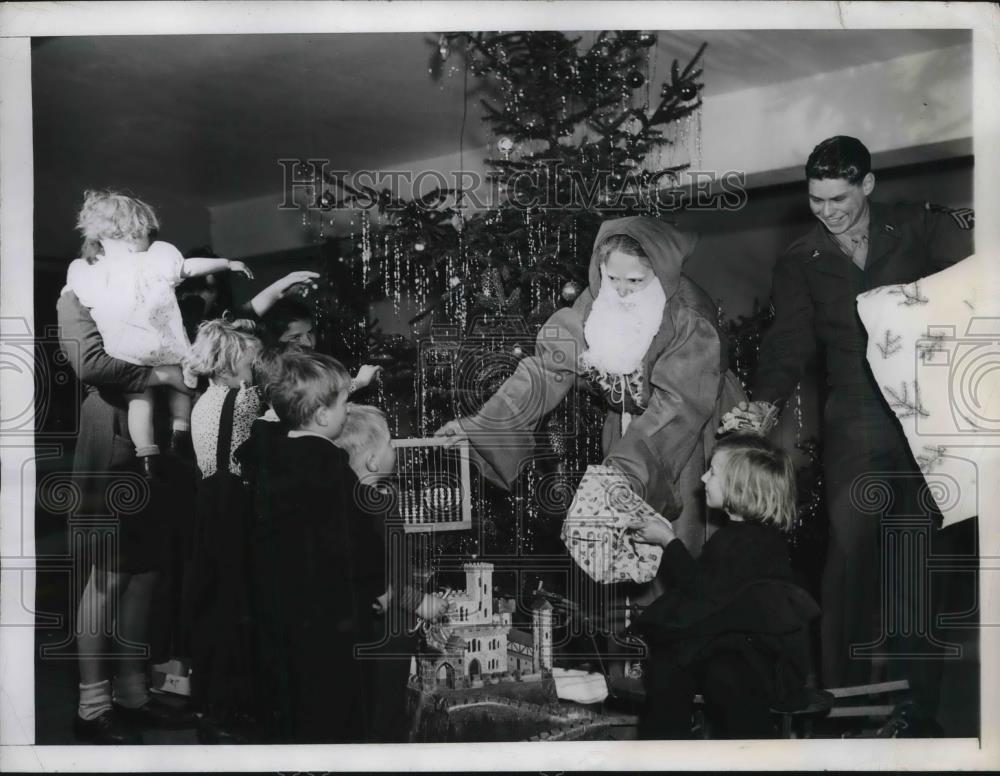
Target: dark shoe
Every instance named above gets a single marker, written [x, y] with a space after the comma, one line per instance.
[151, 467]
[181, 446]
[211, 731]
[157, 715]
[108, 728]
[908, 721]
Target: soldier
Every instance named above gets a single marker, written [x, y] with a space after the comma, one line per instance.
[856, 246]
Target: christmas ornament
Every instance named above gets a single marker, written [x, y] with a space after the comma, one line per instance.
[457, 222]
[505, 145]
[688, 92]
[419, 246]
[571, 291]
[443, 49]
[517, 350]
[646, 39]
[454, 281]
[635, 79]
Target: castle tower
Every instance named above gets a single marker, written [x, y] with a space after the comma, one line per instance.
[541, 632]
[479, 588]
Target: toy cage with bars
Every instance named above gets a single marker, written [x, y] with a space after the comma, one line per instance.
[432, 480]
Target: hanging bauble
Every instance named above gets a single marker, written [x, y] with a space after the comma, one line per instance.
[517, 350]
[646, 39]
[326, 200]
[443, 48]
[571, 291]
[688, 92]
[419, 246]
[603, 50]
[635, 79]
[457, 222]
[454, 281]
[505, 145]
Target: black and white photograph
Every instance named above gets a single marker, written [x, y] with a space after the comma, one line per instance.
[579, 385]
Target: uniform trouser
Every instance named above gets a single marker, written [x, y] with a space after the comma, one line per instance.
[879, 599]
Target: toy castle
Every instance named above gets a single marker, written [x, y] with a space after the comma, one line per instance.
[483, 641]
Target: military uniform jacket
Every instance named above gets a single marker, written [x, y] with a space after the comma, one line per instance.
[815, 286]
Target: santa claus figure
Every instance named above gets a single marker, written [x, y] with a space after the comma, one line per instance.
[646, 336]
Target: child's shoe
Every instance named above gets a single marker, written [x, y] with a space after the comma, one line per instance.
[151, 467]
[181, 446]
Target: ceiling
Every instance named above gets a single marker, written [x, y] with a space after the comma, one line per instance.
[206, 117]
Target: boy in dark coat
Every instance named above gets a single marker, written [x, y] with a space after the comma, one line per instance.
[386, 662]
[317, 565]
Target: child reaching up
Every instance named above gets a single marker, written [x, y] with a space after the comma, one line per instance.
[367, 441]
[731, 624]
[128, 284]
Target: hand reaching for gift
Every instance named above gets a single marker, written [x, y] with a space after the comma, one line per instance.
[652, 530]
[757, 417]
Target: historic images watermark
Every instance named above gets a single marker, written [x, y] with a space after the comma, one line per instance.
[312, 183]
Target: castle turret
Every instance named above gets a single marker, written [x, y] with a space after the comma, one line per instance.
[541, 631]
[479, 589]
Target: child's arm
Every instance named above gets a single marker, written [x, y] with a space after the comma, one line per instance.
[677, 567]
[364, 377]
[265, 300]
[196, 267]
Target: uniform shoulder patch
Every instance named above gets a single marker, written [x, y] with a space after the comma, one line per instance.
[964, 217]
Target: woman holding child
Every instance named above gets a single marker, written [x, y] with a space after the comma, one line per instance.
[646, 337]
[117, 232]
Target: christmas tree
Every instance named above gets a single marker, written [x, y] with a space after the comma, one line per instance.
[576, 135]
[579, 135]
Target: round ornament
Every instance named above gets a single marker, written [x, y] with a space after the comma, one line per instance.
[688, 92]
[635, 79]
[419, 246]
[518, 351]
[505, 145]
[454, 281]
[646, 39]
[571, 290]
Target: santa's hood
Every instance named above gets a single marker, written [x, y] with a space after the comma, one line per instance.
[665, 246]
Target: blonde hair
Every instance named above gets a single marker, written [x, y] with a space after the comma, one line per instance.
[758, 480]
[111, 215]
[364, 430]
[299, 384]
[221, 345]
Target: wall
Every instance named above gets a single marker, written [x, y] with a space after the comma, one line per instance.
[909, 109]
[907, 102]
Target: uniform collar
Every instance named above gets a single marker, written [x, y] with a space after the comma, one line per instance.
[883, 234]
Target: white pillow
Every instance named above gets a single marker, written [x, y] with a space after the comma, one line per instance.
[934, 348]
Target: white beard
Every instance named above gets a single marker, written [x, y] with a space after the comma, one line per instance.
[619, 330]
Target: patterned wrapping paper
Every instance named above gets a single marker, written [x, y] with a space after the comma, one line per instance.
[595, 530]
[933, 348]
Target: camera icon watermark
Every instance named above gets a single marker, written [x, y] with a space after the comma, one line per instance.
[970, 361]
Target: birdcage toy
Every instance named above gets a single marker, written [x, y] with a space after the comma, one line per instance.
[432, 482]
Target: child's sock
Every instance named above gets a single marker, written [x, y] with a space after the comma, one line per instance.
[130, 690]
[95, 699]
